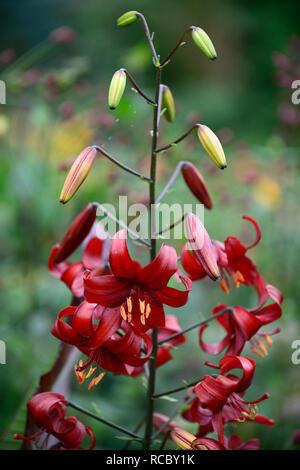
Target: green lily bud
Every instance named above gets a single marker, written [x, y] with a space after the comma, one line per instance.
[128, 18]
[116, 88]
[212, 145]
[203, 41]
[167, 102]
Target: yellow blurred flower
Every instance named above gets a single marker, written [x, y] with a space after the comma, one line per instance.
[4, 124]
[69, 138]
[267, 192]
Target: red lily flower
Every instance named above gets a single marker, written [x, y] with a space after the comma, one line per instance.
[220, 398]
[94, 255]
[163, 352]
[242, 325]
[231, 258]
[94, 330]
[48, 411]
[138, 292]
[203, 416]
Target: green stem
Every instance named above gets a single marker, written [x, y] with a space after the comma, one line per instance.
[104, 421]
[121, 165]
[173, 144]
[152, 360]
[195, 325]
[179, 389]
[137, 88]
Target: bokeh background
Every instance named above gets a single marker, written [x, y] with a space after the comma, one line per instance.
[57, 105]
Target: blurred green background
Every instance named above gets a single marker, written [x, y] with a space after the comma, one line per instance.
[56, 104]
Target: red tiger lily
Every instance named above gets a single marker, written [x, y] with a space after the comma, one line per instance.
[203, 416]
[220, 398]
[94, 254]
[232, 259]
[163, 352]
[94, 330]
[138, 292]
[242, 325]
[48, 411]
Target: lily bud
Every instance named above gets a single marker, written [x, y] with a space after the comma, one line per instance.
[159, 420]
[167, 102]
[116, 88]
[183, 439]
[203, 41]
[196, 184]
[78, 173]
[201, 245]
[212, 145]
[127, 18]
[76, 233]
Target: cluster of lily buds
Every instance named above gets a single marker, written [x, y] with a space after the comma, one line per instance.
[78, 173]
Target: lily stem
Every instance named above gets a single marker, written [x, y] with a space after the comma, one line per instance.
[179, 389]
[104, 421]
[121, 165]
[195, 325]
[180, 42]
[152, 360]
[137, 88]
[180, 139]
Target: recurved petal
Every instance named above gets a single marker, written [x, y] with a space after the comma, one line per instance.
[213, 348]
[156, 275]
[62, 330]
[248, 323]
[110, 321]
[173, 297]
[92, 255]
[57, 269]
[82, 320]
[106, 290]
[121, 263]
[246, 364]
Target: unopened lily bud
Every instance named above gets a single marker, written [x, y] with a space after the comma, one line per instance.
[159, 420]
[167, 103]
[116, 88]
[76, 233]
[183, 438]
[196, 184]
[203, 41]
[127, 18]
[212, 145]
[78, 173]
[201, 245]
